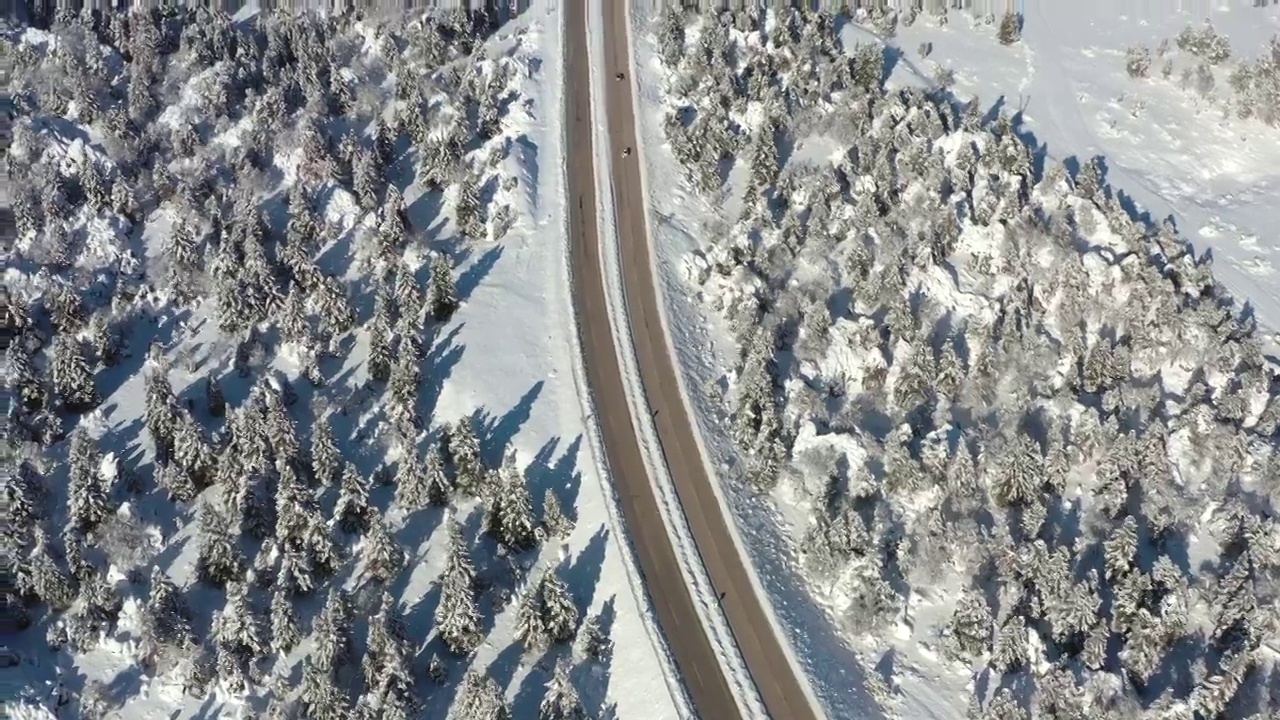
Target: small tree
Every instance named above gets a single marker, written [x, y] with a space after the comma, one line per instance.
[352, 509]
[285, 630]
[457, 617]
[383, 557]
[559, 611]
[593, 641]
[72, 377]
[219, 560]
[326, 460]
[557, 524]
[332, 635]
[561, 701]
[463, 449]
[442, 293]
[531, 628]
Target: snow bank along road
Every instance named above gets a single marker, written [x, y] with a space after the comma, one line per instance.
[699, 665]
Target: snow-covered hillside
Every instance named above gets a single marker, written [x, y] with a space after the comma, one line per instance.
[286, 316]
[1016, 442]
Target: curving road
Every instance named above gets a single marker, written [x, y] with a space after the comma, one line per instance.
[761, 648]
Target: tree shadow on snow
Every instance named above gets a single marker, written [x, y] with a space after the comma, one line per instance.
[562, 477]
[495, 435]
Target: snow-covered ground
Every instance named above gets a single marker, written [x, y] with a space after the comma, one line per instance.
[506, 355]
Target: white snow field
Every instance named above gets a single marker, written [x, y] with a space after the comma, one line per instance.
[509, 355]
[1168, 151]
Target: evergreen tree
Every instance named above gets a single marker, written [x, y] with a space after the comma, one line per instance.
[383, 557]
[177, 483]
[239, 629]
[326, 460]
[593, 642]
[72, 377]
[531, 627]
[1010, 652]
[553, 517]
[214, 400]
[167, 620]
[21, 376]
[559, 612]
[411, 482]
[970, 627]
[457, 618]
[467, 209]
[321, 696]
[285, 629]
[88, 502]
[219, 561]
[403, 391]
[332, 635]
[561, 701]
[160, 411]
[352, 509]
[442, 293]
[480, 698]
[464, 450]
[45, 580]
[438, 487]
[510, 515]
[380, 356]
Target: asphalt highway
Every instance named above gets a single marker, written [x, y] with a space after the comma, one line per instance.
[695, 656]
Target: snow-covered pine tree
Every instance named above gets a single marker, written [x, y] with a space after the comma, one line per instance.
[326, 460]
[531, 627]
[352, 509]
[1010, 28]
[402, 390]
[393, 227]
[219, 561]
[554, 520]
[383, 557]
[21, 376]
[72, 378]
[411, 482]
[160, 415]
[467, 208]
[1010, 651]
[46, 580]
[332, 637]
[213, 398]
[286, 632]
[561, 701]
[480, 698]
[510, 509]
[970, 626]
[560, 614]
[321, 696]
[457, 618]
[239, 628]
[380, 356]
[366, 178]
[88, 501]
[166, 618]
[463, 450]
[593, 640]
[323, 553]
[442, 293]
